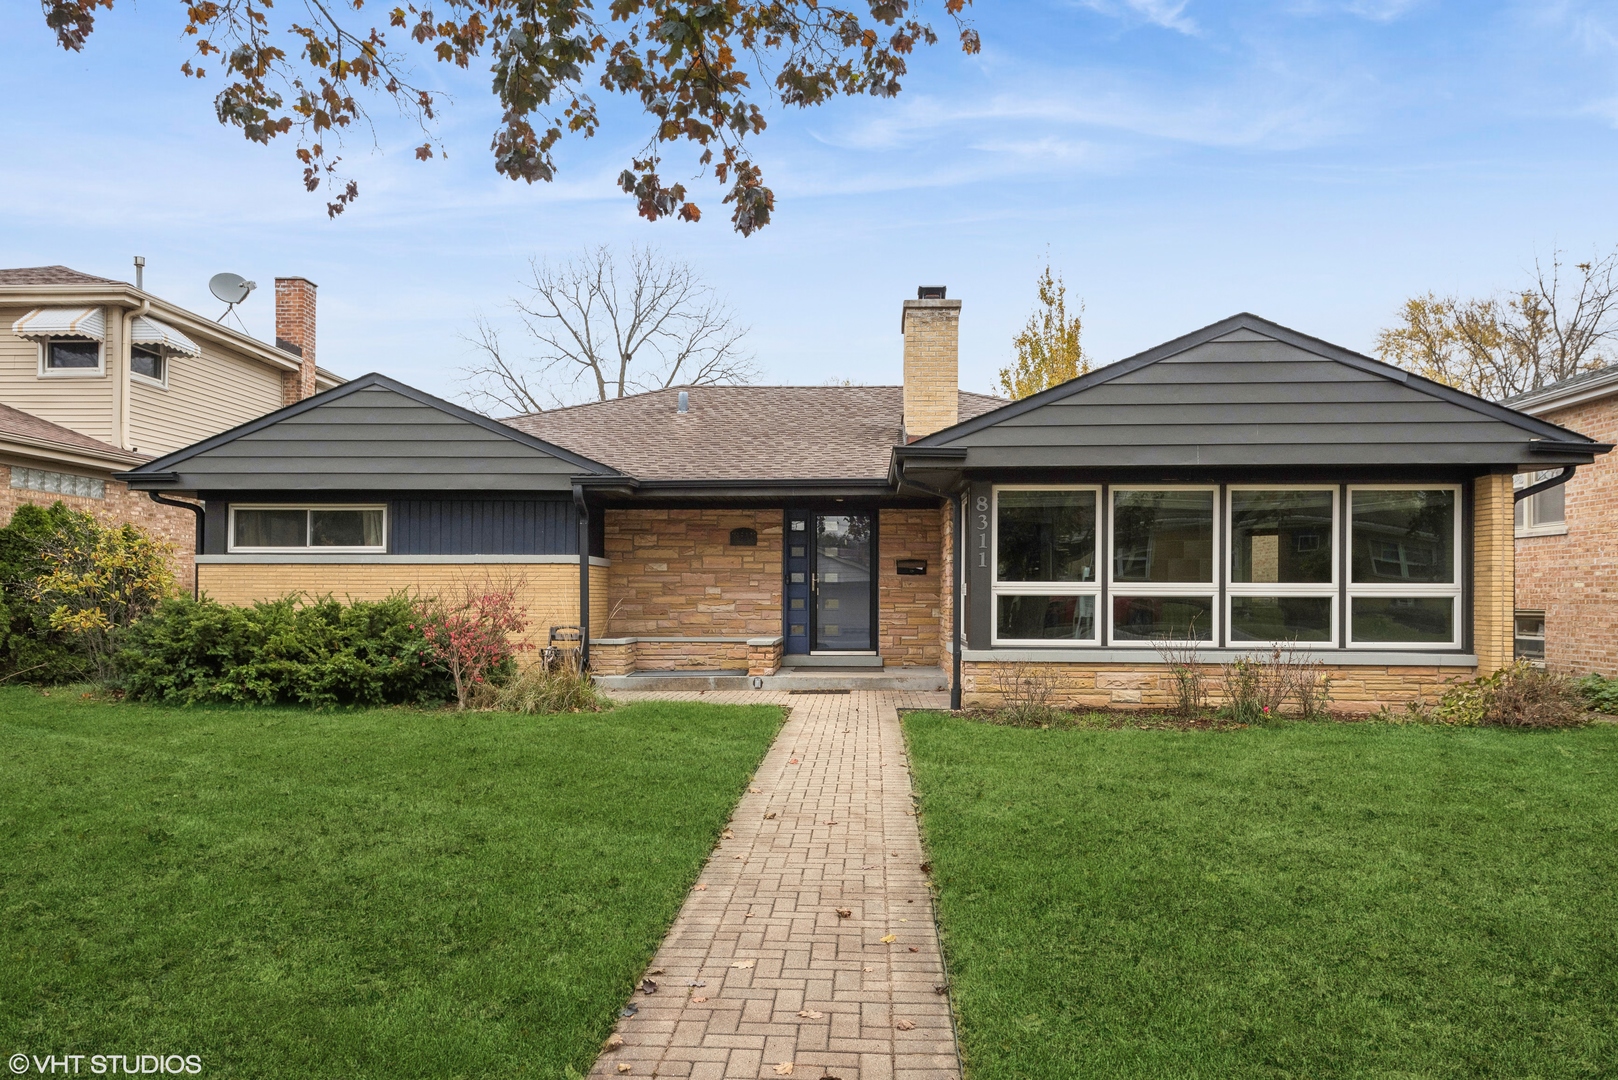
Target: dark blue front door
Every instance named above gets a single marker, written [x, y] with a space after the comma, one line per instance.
[830, 601]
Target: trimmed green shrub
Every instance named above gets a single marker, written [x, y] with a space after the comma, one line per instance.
[1599, 692]
[30, 650]
[321, 652]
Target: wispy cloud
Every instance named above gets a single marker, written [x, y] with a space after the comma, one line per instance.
[1169, 14]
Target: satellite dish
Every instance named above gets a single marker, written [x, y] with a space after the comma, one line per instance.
[231, 288]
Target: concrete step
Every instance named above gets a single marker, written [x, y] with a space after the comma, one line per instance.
[911, 679]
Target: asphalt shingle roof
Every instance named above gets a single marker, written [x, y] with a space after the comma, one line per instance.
[741, 432]
[16, 423]
[51, 275]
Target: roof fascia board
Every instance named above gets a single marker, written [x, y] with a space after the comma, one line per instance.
[1248, 321]
[22, 446]
[1543, 401]
[366, 382]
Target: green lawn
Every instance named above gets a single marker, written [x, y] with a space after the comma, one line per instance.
[386, 893]
[1298, 901]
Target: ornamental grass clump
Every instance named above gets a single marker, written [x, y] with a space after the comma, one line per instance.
[546, 689]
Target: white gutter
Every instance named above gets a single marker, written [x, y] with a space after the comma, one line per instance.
[23, 446]
[126, 359]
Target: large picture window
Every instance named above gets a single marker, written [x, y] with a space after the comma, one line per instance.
[1046, 586]
[308, 528]
[1404, 584]
[1283, 565]
[1163, 560]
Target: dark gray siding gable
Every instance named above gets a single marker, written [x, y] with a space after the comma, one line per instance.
[1242, 400]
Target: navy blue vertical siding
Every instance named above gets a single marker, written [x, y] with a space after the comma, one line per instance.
[483, 527]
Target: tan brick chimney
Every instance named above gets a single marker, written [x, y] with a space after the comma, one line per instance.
[932, 362]
[295, 333]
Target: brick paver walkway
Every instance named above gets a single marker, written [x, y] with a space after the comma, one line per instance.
[808, 947]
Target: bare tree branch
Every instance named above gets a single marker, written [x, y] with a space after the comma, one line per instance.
[602, 328]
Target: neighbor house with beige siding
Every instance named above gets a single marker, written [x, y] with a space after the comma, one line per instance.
[98, 375]
[1241, 487]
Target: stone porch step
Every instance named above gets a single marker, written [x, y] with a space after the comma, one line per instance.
[915, 679]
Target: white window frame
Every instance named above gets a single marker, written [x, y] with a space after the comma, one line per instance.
[1234, 588]
[48, 372]
[1451, 590]
[307, 547]
[997, 588]
[1528, 506]
[1116, 589]
[147, 380]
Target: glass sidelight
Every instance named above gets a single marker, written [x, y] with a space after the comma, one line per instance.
[842, 583]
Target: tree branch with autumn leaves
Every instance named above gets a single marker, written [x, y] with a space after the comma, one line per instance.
[692, 65]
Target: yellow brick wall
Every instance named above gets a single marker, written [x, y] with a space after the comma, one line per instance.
[548, 591]
[1354, 689]
[931, 366]
[1493, 571]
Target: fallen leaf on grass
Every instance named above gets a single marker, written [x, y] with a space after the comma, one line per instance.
[744, 964]
[811, 1014]
[845, 913]
[727, 835]
[890, 939]
[905, 1025]
[784, 1069]
[614, 1041]
[926, 867]
[940, 989]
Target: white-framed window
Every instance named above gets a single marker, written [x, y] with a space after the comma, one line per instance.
[1283, 561]
[1046, 582]
[71, 357]
[1404, 566]
[271, 528]
[1163, 558]
[149, 365]
[1544, 513]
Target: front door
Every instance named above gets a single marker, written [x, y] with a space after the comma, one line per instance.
[830, 598]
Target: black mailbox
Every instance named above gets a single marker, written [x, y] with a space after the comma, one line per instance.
[910, 567]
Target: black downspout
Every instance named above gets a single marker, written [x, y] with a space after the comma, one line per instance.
[1555, 481]
[960, 583]
[584, 577]
[195, 508]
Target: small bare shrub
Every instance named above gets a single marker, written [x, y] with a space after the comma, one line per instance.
[1311, 688]
[1259, 687]
[1186, 677]
[1026, 690]
[1520, 695]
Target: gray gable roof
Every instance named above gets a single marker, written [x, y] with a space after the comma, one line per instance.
[372, 434]
[1249, 392]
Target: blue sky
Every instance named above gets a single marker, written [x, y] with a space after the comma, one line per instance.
[1313, 161]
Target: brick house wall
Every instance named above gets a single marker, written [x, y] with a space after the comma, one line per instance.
[674, 573]
[909, 611]
[175, 526]
[1573, 578]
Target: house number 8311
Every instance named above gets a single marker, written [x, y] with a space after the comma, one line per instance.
[981, 505]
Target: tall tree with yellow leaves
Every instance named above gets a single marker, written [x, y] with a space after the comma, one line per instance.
[1047, 348]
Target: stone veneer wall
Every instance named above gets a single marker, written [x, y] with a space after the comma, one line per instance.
[674, 574]
[1573, 578]
[168, 523]
[909, 611]
[1355, 689]
[548, 591]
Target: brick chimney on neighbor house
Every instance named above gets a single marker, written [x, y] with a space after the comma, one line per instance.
[295, 333]
[932, 362]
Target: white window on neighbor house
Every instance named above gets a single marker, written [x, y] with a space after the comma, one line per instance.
[1164, 550]
[1283, 564]
[1404, 583]
[149, 364]
[58, 483]
[1543, 513]
[1047, 586]
[70, 356]
[1529, 637]
[308, 528]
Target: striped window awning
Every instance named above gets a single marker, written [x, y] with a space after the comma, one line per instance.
[162, 337]
[91, 323]
[50, 322]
